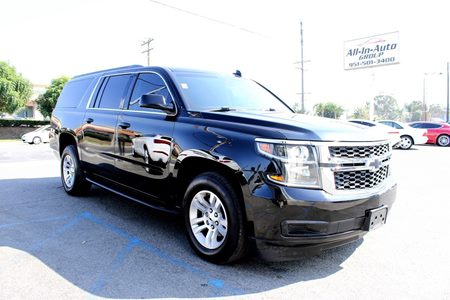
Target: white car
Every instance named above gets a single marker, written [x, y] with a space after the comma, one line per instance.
[392, 134]
[409, 135]
[40, 135]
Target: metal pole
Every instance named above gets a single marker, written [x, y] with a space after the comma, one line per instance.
[301, 66]
[448, 116]
[424, 105]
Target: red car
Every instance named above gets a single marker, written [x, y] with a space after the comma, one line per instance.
[437, 133]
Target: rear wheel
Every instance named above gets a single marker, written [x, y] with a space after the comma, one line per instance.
[406, 142]
[73, 179]
[214, 219]
[443, 140]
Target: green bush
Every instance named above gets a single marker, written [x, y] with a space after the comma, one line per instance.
[22, 123]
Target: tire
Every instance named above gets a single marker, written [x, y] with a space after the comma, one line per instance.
[72, 176]
[443, 140]
[37, 140]
[212, 209]
[406, 142]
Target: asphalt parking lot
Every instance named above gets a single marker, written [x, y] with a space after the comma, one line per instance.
[55, 246]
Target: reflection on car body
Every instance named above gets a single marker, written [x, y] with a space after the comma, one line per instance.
[153, 150]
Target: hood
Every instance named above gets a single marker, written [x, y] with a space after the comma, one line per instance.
[300, 127]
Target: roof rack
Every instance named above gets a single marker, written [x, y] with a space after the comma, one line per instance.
[108, 70]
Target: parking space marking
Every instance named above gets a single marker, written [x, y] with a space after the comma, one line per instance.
[136, 242]
[60, 231]
[102, 281]
[217, 284]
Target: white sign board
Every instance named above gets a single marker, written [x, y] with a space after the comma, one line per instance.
[373, 51]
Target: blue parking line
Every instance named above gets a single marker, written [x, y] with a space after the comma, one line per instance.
[216, 283]
[115, 265]
[74, 221]
[8, 225]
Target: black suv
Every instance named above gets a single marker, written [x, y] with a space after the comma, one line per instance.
[244, 170]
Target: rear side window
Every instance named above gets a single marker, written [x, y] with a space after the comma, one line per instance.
[73, 93]
[113, 92]
[148, 83]
[416, 125]
[431, 126]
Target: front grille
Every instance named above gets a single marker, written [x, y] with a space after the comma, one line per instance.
[361, 179]
[359, 151]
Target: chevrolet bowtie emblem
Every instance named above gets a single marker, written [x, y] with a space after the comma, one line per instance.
[374, 163]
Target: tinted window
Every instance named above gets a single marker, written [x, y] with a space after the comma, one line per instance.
[387, 123]
[431, 126]
[148, 83]
[73, 92]
[396, 125]
[113, 92]
[211, 92]
[416, 125]
[363, 123]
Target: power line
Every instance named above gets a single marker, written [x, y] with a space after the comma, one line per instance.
[208, 18]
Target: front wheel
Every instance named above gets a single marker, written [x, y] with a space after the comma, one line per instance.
[443, 140]
[73, 179]
[214, 219]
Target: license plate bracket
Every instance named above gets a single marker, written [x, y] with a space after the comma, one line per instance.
[375, 218]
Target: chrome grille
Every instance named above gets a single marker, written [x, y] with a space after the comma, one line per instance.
[360, 179]
[359, 151]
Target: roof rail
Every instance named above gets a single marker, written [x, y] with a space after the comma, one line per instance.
[108, 70]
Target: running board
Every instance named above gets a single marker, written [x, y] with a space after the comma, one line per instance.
[160, 208]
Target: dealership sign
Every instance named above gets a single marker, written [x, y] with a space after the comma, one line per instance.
[373, 51]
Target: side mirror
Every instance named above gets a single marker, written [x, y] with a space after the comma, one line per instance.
[155, 101]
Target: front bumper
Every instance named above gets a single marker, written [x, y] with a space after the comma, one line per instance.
[289, 223]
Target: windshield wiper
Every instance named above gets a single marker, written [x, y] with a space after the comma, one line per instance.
[222, 109]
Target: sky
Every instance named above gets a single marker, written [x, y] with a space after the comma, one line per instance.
[49, 38]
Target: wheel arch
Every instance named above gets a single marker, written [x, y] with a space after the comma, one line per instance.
[65, 139]
[410, 136]
[188, 168]
[440, 135]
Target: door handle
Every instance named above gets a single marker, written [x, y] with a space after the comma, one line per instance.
[124, 125]
[89, 120]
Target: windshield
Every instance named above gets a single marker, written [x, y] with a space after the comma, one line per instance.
[220, 92]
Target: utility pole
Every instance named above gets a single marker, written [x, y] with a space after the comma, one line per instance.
[302, 69]
[301, 66]
[424, 105]
[448, 79]
[147, 42]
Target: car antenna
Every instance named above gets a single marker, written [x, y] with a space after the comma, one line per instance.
[237, 73]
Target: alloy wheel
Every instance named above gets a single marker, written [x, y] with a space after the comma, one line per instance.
[208, 219]
[68, 171]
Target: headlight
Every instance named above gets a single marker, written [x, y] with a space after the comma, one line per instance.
[299, 164]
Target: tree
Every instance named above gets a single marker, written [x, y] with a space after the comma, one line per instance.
[296, 107]
[47, 101]
[413, 111]
[14, 89]
[436, 111]
[328, 110]
[362, 112]
[386, 107]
